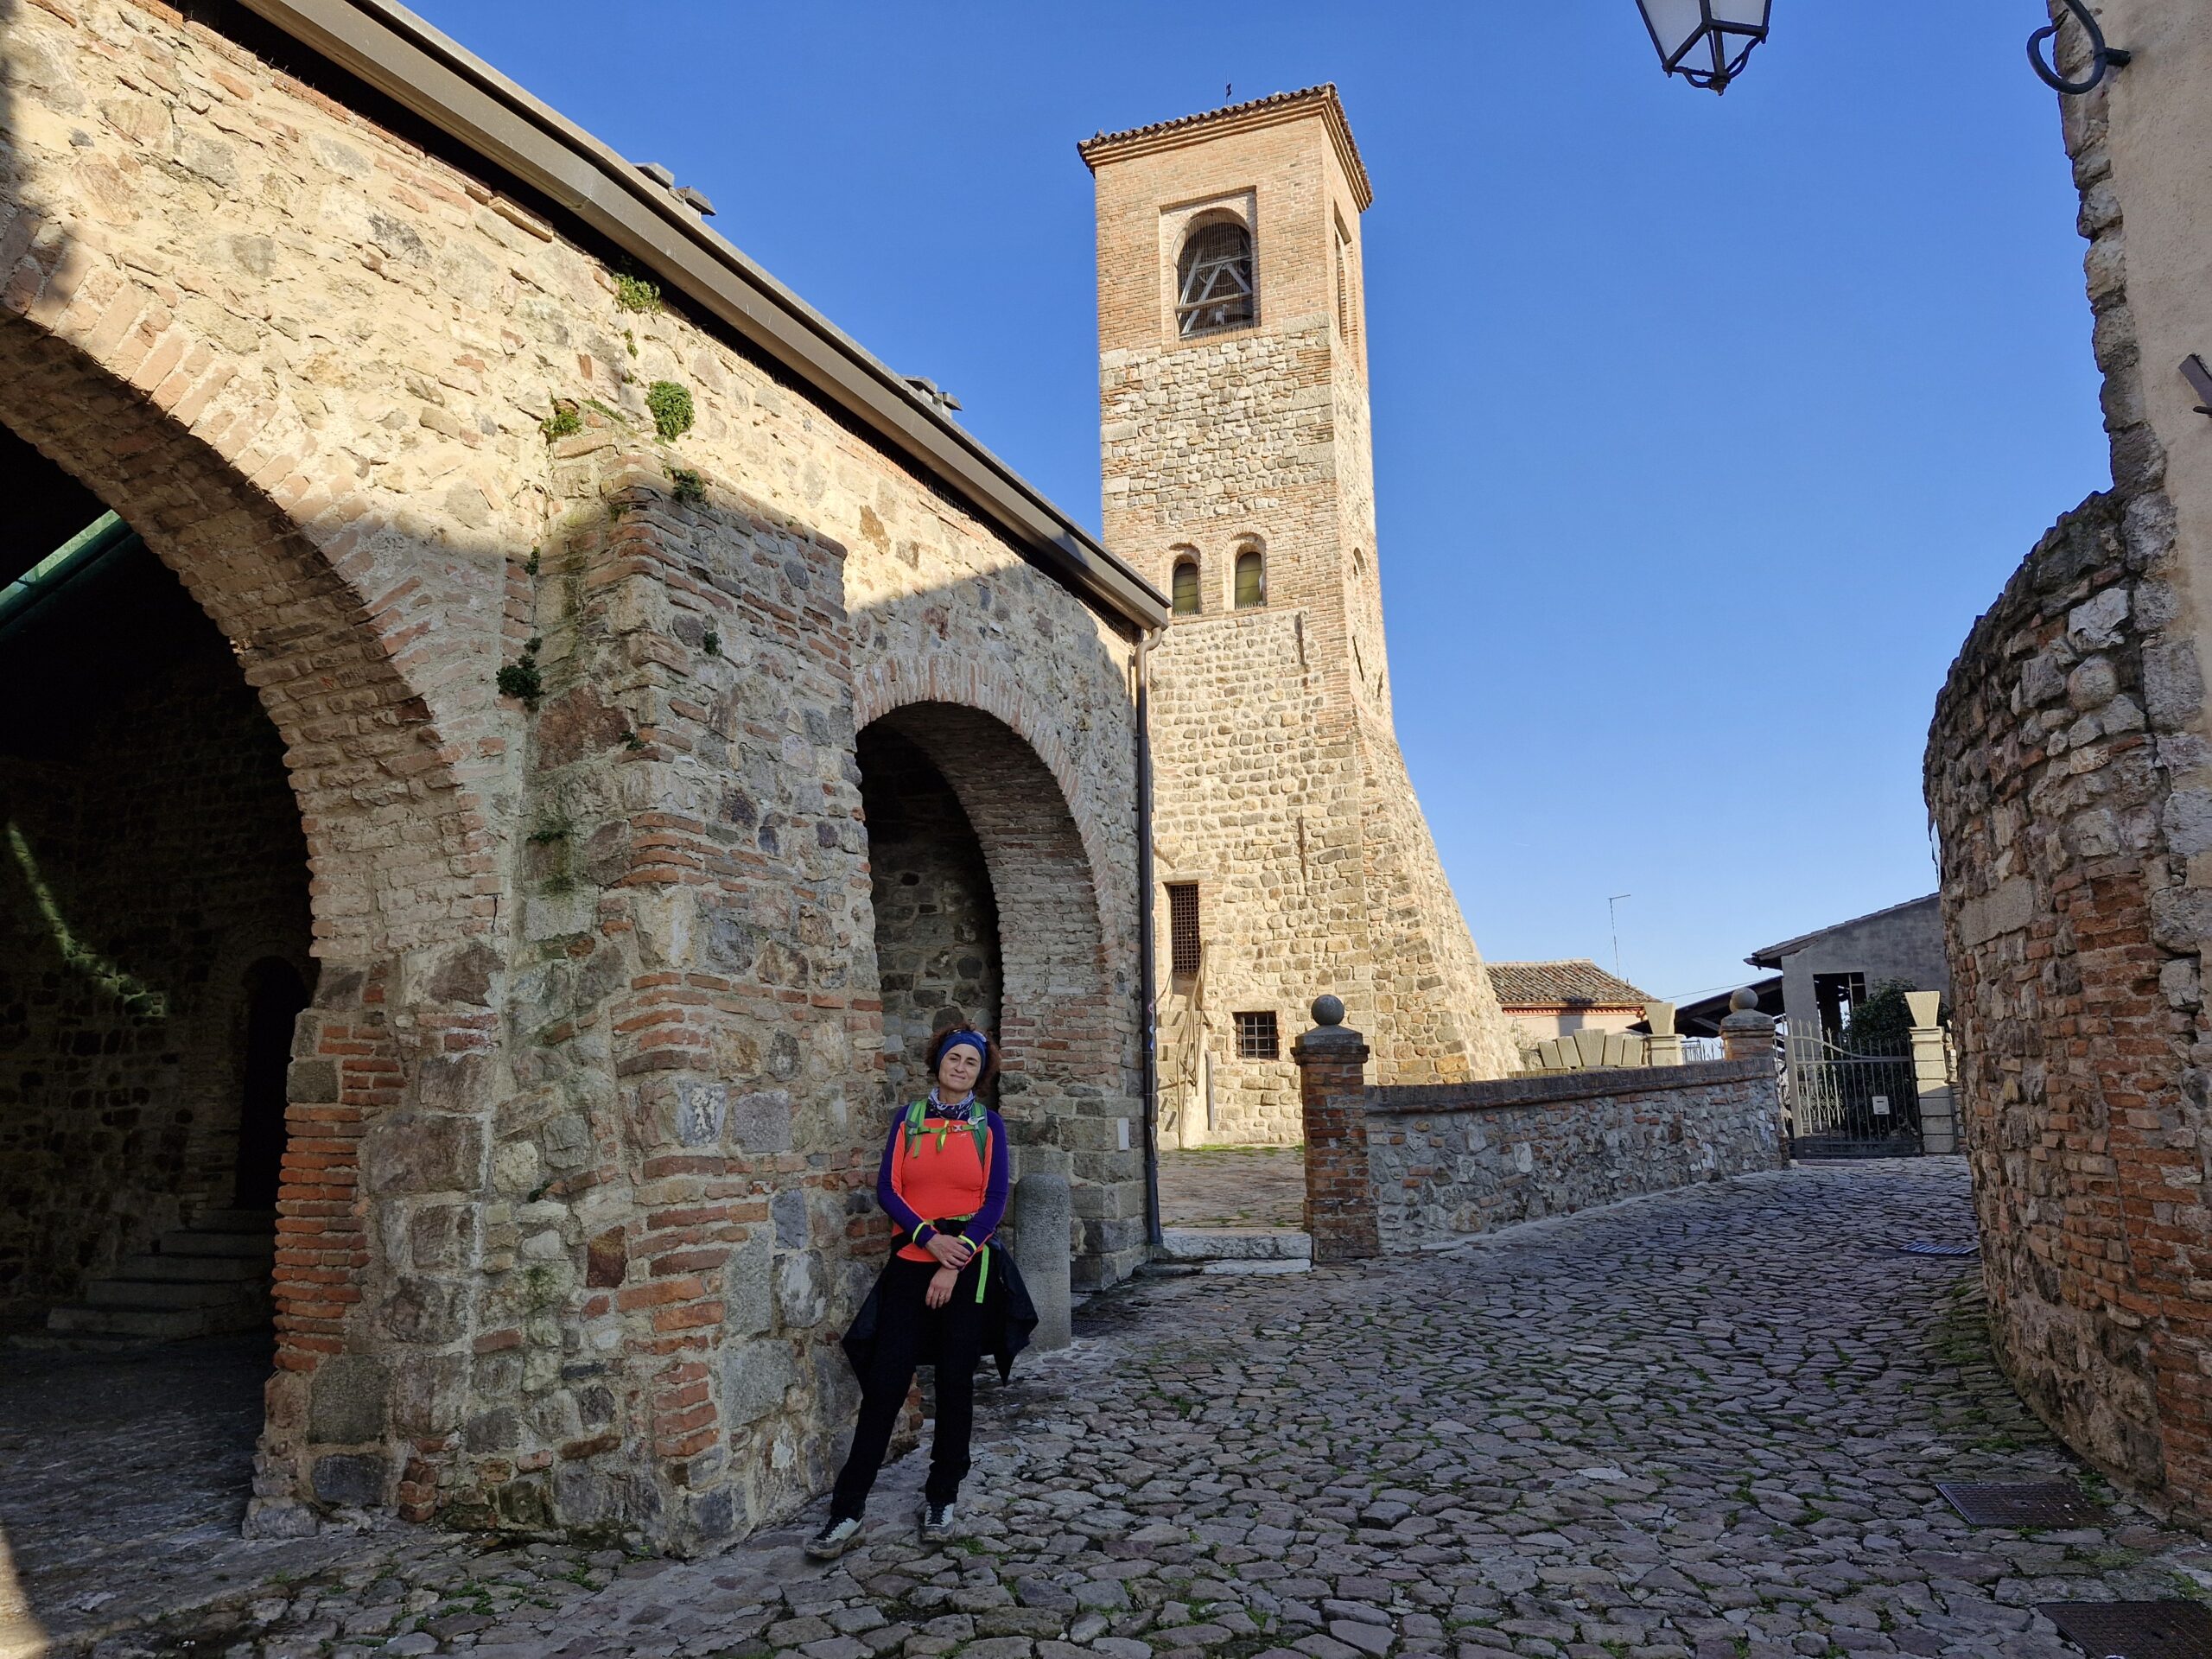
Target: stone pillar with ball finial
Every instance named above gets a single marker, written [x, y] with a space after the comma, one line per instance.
[1746, 1033]
[1332, 1092]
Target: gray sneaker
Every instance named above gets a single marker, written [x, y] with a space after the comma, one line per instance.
[939, 1524]
[833, 1540]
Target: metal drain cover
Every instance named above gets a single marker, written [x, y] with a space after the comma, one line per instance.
[1930, 1247]
[2026, 1504]
[2135, 1630]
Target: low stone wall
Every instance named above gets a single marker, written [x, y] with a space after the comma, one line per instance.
[1446, 1161]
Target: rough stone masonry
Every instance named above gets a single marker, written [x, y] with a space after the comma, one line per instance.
[2070, 778]
[568, 602]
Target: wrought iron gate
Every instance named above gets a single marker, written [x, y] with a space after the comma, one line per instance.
[1847, 1105]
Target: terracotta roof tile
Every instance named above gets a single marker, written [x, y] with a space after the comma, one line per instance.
[1575, 983]
[1324, 97]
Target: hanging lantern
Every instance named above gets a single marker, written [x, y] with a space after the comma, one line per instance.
[1705, 41]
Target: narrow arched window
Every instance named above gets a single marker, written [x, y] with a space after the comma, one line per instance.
[1347, 293]
[1213, 280]
[1186, 587]
[1251, 578]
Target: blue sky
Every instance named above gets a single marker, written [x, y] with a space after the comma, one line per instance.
[1704, 427]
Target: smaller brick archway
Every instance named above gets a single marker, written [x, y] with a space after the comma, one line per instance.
[1066, 1078]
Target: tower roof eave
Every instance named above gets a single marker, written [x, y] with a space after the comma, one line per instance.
[1105, 147]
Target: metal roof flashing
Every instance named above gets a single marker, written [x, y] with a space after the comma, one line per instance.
[406, 60]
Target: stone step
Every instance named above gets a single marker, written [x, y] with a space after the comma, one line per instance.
[160, 1323]
[1235, 1250]
[250, 1246]
[173, 1292]
[82, 1342]
[196, 1269]
[263, 1222]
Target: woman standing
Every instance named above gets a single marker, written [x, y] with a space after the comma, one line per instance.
[946, 1298]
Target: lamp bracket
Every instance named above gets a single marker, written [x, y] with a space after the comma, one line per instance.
[2200, 381]
[2102, 57]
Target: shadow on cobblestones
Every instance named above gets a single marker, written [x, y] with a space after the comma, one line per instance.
[114, 1466]
[1706, 1423]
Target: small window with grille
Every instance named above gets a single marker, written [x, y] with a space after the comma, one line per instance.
[1213, 280]
[1183, 946]
[1185, 594]
[1255, 1037]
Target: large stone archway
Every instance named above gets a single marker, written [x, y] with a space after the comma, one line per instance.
[402, 872]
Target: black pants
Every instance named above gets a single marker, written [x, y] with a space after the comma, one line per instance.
[909, 1331]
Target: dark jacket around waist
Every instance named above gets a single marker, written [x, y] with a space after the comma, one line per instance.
[1009, 1315]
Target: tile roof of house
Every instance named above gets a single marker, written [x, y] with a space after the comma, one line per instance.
[1576, 982]
[1253, 111]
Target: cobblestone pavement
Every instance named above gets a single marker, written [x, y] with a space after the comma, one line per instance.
[1233, 1186]
[1703, 1424]
[123, 1480]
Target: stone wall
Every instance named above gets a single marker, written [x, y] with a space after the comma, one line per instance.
[1448, 1160]
[151, 854]
[2069, 779]
[2072, 1006]
[584, 1118]
[1279, 789]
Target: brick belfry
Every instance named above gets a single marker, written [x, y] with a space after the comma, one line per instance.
[1291, 853]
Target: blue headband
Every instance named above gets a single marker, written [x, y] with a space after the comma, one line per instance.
[974, 1040]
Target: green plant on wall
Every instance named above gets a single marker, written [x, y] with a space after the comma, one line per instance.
[636, 293]
[522, 678]
[691, 488]
[671, 404]
[563, 422]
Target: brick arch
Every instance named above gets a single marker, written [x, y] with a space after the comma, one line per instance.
[893, 682]
[230, 492]
[1056, 1023]
[365, 758]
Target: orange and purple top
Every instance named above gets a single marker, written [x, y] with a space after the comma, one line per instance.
[944, 1170]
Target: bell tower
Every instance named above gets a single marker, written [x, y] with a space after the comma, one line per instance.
[1239, 475]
